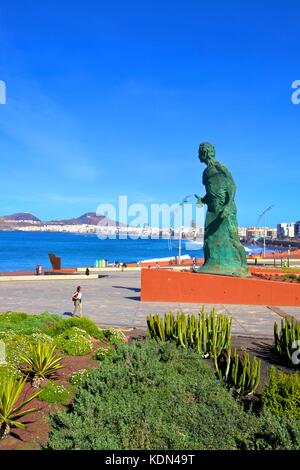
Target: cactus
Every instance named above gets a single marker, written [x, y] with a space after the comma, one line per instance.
[208, 334]
[288, 338]
[151, 327]
[168, 326]
[237, 372]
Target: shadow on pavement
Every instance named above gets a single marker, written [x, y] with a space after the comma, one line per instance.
[134, 289]
[68, 314]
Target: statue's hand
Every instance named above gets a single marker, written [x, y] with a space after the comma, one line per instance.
[199, 201]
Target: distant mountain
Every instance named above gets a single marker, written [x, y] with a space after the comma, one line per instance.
[20, 217]
[89, 218]
[19, 220]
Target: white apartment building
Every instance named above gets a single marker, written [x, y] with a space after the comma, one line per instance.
[285, 230]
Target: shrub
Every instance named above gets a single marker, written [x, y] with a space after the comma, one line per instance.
[152, 396]
[6, 335]
[287, 340]
[43, 362]
[273, 433]
[10, 412]
[114, 336]
[103, 353]
[47, 323]
[79, 377]
[281, 396]
[75, 342]
[12, 318]
[84, 324]
[52, 393]
[28, 324]
[35, 338]
[290, 276]
[8, 370]
[15, 345]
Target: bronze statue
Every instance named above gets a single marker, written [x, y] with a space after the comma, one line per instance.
[223, 251]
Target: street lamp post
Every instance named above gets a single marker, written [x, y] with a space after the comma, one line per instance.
[265, 234]
[264, 214]
[179, 245]
[184, 201]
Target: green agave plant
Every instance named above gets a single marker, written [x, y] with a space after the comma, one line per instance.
[10, 411]
[43, 362]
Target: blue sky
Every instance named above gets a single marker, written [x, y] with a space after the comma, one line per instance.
[113, 97]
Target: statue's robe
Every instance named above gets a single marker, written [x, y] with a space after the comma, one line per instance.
[223, 251]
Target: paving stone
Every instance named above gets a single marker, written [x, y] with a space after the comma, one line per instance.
[115, 300]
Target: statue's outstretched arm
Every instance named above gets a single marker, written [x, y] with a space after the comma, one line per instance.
[201, 200]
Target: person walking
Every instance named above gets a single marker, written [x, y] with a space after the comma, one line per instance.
[77, 299]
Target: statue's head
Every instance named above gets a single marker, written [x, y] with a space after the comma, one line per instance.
[207, 152]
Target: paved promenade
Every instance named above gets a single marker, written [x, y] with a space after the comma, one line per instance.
[114, 300]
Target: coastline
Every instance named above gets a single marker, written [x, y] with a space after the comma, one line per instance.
[22, 251]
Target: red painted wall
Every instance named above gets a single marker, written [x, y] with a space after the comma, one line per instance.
[161, 285]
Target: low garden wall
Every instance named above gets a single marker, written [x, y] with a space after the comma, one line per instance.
[162, 285]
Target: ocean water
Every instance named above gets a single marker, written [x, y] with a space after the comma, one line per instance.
[23, 250]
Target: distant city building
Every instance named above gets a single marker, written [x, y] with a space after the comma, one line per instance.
[272, 232]
[257, 232]
[285, 230]
[297, 229]
[254, 232]
[242, 231]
